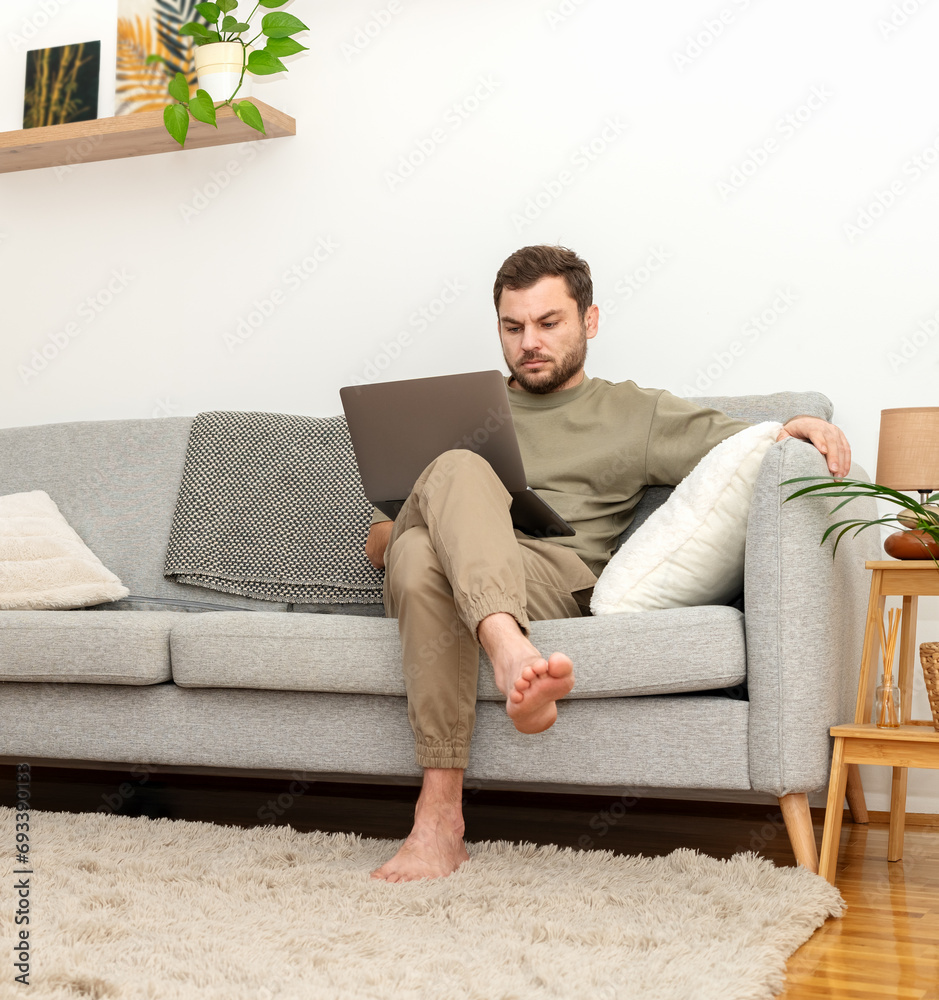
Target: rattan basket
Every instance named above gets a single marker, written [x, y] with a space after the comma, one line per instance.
[929, 656]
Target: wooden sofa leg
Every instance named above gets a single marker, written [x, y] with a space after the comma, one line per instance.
[798, 818]
[854, 793]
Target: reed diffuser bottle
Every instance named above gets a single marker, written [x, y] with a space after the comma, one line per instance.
[886, 714]
[887, 705]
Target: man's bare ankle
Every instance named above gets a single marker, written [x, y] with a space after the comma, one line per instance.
[441, 795]
[439, 815]
[496, 628]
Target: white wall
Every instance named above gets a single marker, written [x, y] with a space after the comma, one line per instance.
[733, 145]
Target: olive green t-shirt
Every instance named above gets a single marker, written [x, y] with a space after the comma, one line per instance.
[592, 450]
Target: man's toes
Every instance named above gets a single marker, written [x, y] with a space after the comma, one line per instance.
[533, 671]
[559, 665]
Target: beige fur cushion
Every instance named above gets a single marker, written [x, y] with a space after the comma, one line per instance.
[691, 550]
[44, 564]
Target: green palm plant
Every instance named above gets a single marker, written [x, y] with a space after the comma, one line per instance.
[221, 26]
[917, 516]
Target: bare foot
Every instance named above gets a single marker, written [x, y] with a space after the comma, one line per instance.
[532, 703]
[435, 846]
[532, 685]
[426, 853]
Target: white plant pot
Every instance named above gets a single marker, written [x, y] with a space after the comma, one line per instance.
[218, 67]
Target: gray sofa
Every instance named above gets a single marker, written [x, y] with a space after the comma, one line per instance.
[687, 700]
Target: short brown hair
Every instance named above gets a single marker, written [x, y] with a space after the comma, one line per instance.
[529, 265]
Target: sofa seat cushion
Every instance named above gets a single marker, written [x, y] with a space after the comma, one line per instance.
[122, 647]
[660, 652]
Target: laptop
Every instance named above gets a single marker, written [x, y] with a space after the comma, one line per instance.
[399, 428]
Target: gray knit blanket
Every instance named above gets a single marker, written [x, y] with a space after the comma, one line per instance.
[271, 506]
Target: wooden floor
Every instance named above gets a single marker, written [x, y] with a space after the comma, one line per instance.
[886, 946]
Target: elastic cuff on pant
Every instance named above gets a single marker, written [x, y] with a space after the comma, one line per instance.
[478, 610]
[441, 756]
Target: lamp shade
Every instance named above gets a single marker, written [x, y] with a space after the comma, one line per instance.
[908, 452]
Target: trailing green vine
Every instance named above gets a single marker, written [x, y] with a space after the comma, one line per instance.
[221, 26]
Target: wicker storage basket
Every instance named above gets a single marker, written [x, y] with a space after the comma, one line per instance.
[929, 656]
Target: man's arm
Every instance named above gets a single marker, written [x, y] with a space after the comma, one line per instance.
[829, 440]
[378, 537]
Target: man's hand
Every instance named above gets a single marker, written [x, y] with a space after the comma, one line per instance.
[829, 440]
[378, 537]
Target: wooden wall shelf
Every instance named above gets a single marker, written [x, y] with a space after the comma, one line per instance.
[128, 135]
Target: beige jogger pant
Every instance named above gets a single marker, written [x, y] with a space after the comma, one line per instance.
[453, 559]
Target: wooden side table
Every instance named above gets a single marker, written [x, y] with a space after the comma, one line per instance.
[915, 743]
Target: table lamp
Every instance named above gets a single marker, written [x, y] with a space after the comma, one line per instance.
[908, 461]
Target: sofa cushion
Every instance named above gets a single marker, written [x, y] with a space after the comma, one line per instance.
[86, 648]
[691, 550]
[44, 564]
[684, 649]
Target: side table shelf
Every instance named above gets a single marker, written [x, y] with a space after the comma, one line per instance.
[128, 135]
[914, 743]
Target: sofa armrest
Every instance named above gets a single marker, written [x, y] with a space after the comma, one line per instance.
[805, 616]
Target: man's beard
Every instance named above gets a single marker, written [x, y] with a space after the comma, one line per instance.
[565, 367]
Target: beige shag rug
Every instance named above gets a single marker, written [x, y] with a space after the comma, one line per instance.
[130, 908]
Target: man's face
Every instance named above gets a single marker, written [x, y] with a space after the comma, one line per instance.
[544, 340]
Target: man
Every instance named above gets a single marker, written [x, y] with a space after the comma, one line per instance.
[458, 576]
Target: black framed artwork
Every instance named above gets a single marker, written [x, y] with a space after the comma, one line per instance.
[62, 84]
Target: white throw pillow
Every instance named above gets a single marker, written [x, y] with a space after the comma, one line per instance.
[690, 551]
[44, 564]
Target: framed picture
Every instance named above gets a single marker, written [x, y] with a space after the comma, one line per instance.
[150, 27]
[61, 84]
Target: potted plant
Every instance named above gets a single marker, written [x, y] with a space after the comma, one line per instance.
[223, 53]
[920, 519]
